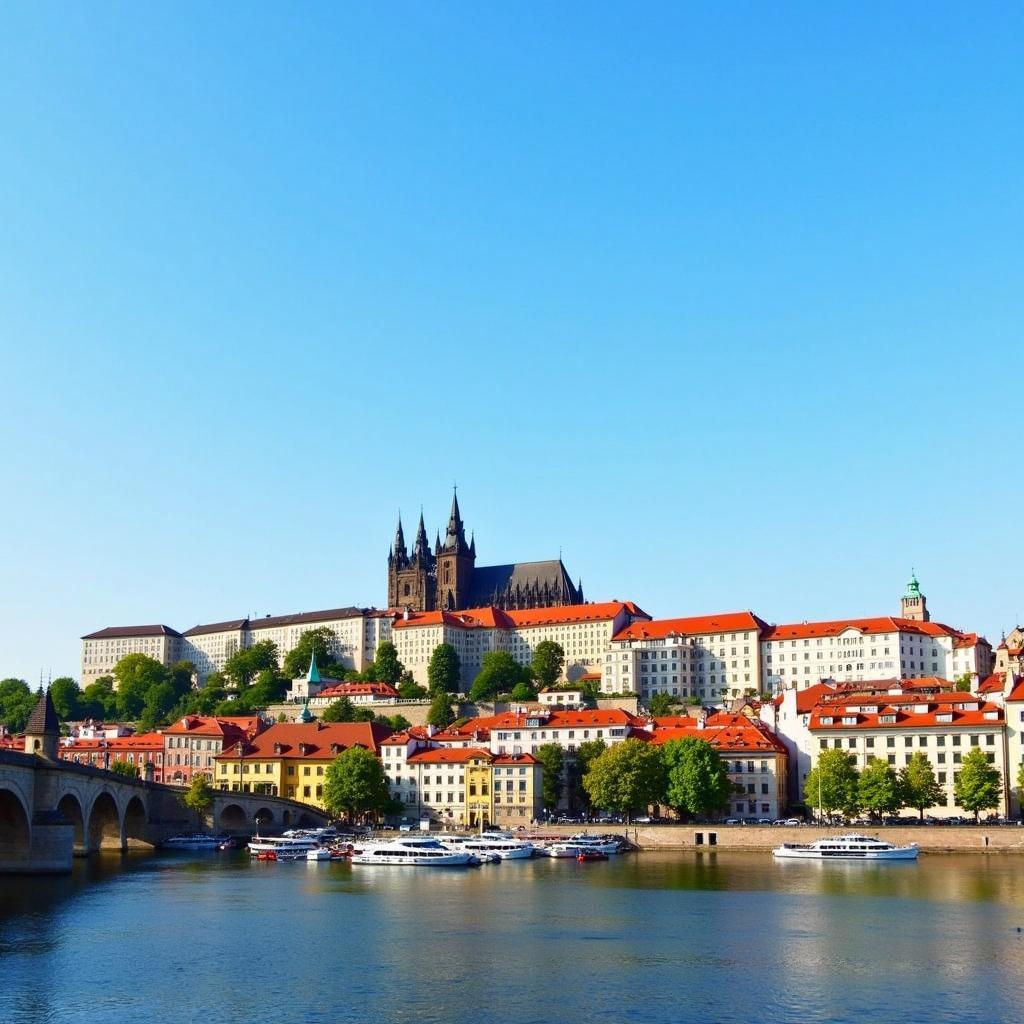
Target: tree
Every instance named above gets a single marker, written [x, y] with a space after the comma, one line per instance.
[918, 787]
[978, 786]
[440, 715]
[660, 704]
[341, 710]
[268, 688]
[320, 640]
[160, 701]
[832, 784]
[552, 757]
[389, 669]
[586, 752]
[963, 682]
[203, 701]
[199, 796]
[878, 788]
[523, 692]
[65, 694]
[136, 675]
[697, 779]
[355, 784]
[98, 699]
[629, 775]
[443, 670]
[16, 703]
[244, 665]
[130, 771]
[408, 689]
[499, 673]
[548, 661]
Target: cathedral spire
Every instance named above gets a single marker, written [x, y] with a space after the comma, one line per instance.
[421, 551]
[455, 538]
[399, 555]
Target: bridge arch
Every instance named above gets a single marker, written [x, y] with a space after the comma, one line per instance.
[232, 816]
[70, 809]
[104, 825]
[263, 817]
[134, 830]
[15, 830]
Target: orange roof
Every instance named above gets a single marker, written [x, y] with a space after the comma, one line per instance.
[727, 739]
[730, 622]
[806, 699]
[514, 759]
[219, 725]
[497, 618]
[140, 741]
[555, 717]
[400, 739]
[993, 684]
[316, 739]
[909, 719]
[449, 755]
[358, 690]
[882, 624]
[1017, 690]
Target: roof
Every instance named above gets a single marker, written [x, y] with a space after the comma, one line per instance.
[43, 719]
[490, 617]
[358, 689]
[400, 739]
[113, 632]
[326, 615]
[231, 626]
[964, 709]
[140, 741]
[215, 725]
[743, 736]
[806, 699]
[729, 622]
[1017, 690]
[995, 683]
[881, 624]
[552, 716]
[490, 583]
[449, 755]
[317, 739]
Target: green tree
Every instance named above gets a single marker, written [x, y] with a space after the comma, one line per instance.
[16, 703]
[878, 788]
[408, 689]
[441, 715]
[136, 675]
[321, 640]
[199, 796]
[267, 688]
[65, 694]
[963, 683]
[244, 665]
[204, 700]
[98, 699]
[832, 784]
[978, 786]
[180, 675]
[660, 705]
[697, 779]
[443, 670]
[499, 673]
[627, 776]
[355, 784]
[523, 692]
[586, 752]
[548, 661]
[918, 787]
[341, 710]
[130, 771]
[552, 757]
[399, 723]
[160, 702]
[389, 669]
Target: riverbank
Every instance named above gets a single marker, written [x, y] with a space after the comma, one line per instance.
[930, 838]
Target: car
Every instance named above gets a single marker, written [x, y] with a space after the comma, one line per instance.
[765, 821]
[733, 821]
[792, 821]
[779, 821]
[643, 820]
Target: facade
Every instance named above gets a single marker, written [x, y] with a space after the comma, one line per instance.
[290, 759]
[710, 657]
[358, 693]
[102, 650]
[191, 745]
[584, 632]
[143, 750]
[447, 578]
[1014, 713]
[1009, 655]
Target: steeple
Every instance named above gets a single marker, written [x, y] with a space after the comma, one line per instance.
[313, 675]
[399, 556]
[455, 538]
[914, 604]
[42, 731]
[421, 552]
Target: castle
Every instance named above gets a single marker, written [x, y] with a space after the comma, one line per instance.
[447, 578]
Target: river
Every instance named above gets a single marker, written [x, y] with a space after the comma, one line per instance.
[659, 937]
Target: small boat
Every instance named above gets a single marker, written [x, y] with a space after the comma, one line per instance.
[605, 844]
[266, 855]
[848, 847]
[587, 855]
[412, 852]
[196, 842]
[229, 844]
[320, 853]
[564, 850]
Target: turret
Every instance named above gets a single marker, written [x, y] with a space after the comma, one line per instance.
[42, 731]
[421, 551]
[398, 556]
[914, 604]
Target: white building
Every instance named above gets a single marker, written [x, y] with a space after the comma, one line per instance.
[102, 650]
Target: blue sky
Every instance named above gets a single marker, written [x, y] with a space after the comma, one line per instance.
[724, 303]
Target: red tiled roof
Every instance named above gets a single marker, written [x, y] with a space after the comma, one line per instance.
[806, 699]
[400, 739]
[908, 719]
[736, 738]
[1017, 690]
[995, 683]
[317, 738]
[730, 622]
[881, 624]
[449, 755]
[497, 618]
[555, 717]
[215, 725]
[514, 759]
[140, 741]
[358, 690]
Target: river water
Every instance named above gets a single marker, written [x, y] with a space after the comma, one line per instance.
[659, 937]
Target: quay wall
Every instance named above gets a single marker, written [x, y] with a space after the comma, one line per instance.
[933, 838]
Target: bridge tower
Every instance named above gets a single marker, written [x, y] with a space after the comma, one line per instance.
[42, 731]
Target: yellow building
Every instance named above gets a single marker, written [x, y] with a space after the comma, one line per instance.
[291, 759]
[516, 781]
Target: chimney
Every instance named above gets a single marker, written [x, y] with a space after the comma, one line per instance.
[405, 614]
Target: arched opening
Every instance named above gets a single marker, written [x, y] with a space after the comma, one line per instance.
[263, 817]
[71, 810]
[305, 821]
[135, 833]
[15, 835]
[233, 817]
[287, 817]
[104, 824]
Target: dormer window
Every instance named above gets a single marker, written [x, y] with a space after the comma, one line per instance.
[849, 719]
[944, 716]
[887, 719]
[278, 748]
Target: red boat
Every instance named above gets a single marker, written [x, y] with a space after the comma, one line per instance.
[266, 855]
[584, 855]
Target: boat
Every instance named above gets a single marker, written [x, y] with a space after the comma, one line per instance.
[283, 847]
[229, 844]
[412, 852]
[196, 842]
[490, 845]
[560, 850]
[587, 855]
[848, 847]
[603, 844]
[266, 855]
[320, 853]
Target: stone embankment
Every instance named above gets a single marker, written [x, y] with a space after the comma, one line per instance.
[933, 838]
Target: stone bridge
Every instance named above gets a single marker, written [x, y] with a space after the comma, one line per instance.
[52, 810]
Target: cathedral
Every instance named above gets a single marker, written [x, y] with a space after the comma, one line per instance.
[449, 579]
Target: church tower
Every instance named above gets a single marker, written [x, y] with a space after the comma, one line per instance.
[411, 579]
[914, 604]
[455, 561]
[42, 731]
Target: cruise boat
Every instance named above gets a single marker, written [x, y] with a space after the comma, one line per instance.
[283, 847]
[413, 852]
[848, 847]
[196, 842]
[498, 844]
[566, 849]
[602, 844]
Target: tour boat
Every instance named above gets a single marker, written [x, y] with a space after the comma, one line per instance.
[283, 847]
[603, 844]
[501, 846]
[560, 850]
[196, 842]
[414, 852]
[849, 847]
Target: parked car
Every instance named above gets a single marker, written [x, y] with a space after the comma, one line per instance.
[765, 821]
[793, 821]
[733, 821]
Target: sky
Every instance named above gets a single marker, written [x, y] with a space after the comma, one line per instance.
[722, 301]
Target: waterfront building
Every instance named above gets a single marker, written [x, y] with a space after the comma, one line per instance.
[447, 578]
[143, 750]
[102, 650]
[290, 759]
[191, 744]
[1014, 713]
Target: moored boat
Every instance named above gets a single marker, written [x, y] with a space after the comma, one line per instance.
[283, 847]
[847, 847]
[490, 846]
[587, 855]
[412, 852]
[196, 842]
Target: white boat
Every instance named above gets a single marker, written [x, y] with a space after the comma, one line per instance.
[848, 847]
[414, 852]
[320, 853]
[598, 843]
[196, 842]
[489, 844]
[562, 849]
[283, 847]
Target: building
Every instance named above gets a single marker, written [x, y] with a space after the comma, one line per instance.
[191, 745]
[448, 578]
[1010, 652]
[143, 750]
[893, 726]
[709, 657]
[102, 650]
[357, 693]
[584, 632]
[290, 759]
[1014, 713]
